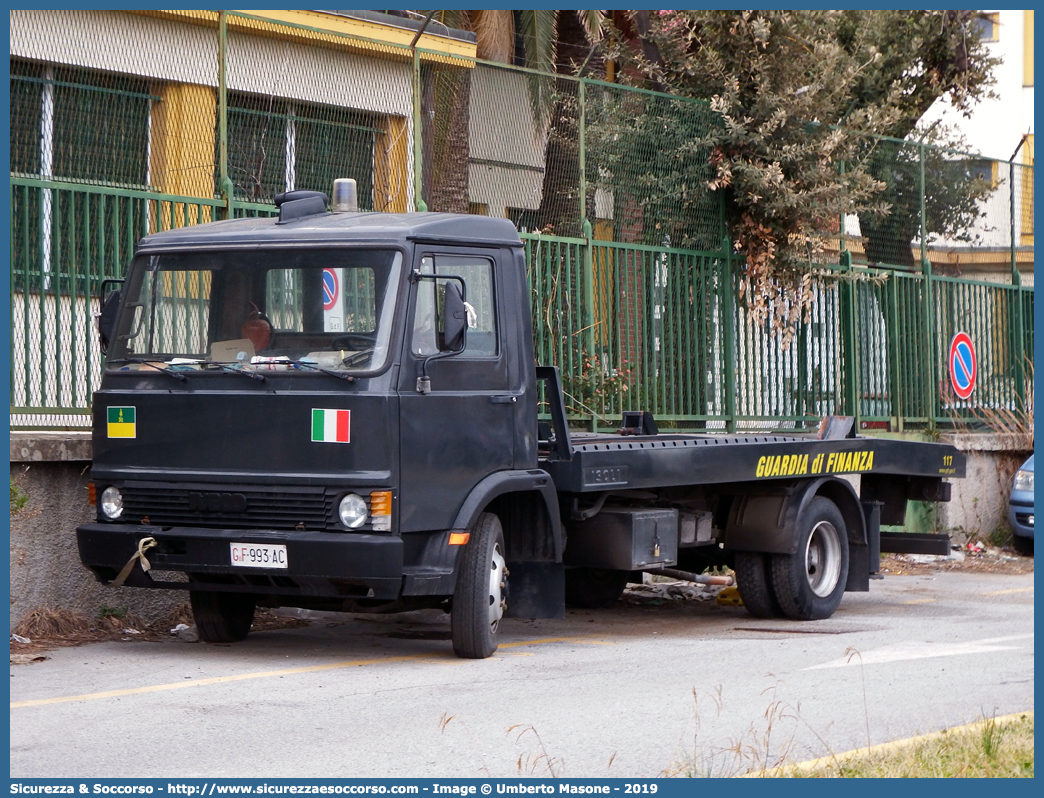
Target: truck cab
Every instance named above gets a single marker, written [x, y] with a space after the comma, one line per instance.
[314, 411]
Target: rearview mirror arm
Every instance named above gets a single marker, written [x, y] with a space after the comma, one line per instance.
[423, 381]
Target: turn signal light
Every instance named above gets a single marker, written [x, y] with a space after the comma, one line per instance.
[459, 538]
[380, 510]
[92, 494]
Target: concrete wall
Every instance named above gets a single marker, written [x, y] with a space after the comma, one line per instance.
[52, 469]
[979, 504]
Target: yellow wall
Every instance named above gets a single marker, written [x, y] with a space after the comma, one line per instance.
[182, 149]
[391, 184]
[1027, 52]
[319, 29]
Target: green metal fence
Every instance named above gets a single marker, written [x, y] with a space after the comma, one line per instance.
[639, 327]
[126, 123]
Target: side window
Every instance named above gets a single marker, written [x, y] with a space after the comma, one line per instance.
[477, 274]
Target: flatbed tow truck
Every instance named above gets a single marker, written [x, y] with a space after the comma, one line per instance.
[337, 410]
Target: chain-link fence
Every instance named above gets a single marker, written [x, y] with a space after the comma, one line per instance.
[941, 204]
[126, 123]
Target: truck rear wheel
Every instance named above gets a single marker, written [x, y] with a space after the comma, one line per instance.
[222, 617]
[594, 588]
[810, 583]
[480, 598]
[754, 580]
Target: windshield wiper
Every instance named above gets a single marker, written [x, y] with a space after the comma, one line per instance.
[178, 375]
[236, 370]
[316, 367]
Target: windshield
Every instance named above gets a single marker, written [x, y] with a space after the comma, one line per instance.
[331, 309]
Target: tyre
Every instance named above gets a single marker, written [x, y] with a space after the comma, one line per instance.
[222, 617]
[594, 588]
[754, 580]
[810, 583]
[1023, 546]
[480, 598]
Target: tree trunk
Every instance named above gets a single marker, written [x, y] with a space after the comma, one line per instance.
[445, 102]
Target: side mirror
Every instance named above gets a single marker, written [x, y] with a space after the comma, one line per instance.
[455, 319]
[106, 318]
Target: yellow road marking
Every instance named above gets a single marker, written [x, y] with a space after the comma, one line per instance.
[158, 688]
[919, 601]
[883, 747]
[1006, 592]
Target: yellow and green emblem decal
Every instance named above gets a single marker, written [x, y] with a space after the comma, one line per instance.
[121, 422]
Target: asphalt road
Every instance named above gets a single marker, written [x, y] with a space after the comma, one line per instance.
[681, 688]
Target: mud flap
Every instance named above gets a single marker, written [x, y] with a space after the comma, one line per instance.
[864, 557]
[536, 590]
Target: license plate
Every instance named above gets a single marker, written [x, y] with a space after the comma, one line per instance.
[259, 555]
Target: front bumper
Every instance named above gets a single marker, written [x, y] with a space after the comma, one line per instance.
[1019, 516]
[319, 564]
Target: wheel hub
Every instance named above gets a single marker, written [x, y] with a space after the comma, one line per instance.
[823, 559]
[497, 583]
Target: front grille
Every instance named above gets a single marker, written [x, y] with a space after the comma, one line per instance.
[231, 507]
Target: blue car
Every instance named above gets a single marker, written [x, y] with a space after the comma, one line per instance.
[1020, 508]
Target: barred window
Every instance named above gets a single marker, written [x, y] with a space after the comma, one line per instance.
[79, 125]
[277, 145]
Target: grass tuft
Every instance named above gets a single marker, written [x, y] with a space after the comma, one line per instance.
[990, 750]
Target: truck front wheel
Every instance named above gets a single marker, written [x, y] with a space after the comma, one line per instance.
[222, 617]
[809, 583]
[480, 598]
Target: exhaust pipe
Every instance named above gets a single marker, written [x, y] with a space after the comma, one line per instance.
[688, 576]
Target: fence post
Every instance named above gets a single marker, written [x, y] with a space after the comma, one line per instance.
[418, 137]
[921, 212]
[729, 302]
[931, 388]
[846, 310]
[1016, 280]
[588, 284]
[223, 179]
[896, 362]
[930, 377]
[583, 151]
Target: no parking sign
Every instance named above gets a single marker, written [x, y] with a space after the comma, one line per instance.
[330, 289]
[963, 365]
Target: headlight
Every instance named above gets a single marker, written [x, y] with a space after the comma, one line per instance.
[111, 502]
[352, 511]
[1024, 480]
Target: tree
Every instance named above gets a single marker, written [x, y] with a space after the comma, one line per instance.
[800, 93]
[446, 91]
[952, 195]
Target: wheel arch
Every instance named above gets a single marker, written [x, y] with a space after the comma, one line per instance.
[527, 504]
[844, 497]
[763, 519]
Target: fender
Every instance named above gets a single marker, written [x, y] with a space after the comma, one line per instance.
[765, 520]
[502, 482]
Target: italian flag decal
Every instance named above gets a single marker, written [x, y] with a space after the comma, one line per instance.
[331, 426]
[121, 422]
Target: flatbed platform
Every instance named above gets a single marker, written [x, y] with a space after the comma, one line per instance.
[603, 461]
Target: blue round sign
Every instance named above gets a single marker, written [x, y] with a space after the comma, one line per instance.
[329, 289]
[963, 365]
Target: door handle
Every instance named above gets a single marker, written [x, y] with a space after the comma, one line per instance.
[503, 400]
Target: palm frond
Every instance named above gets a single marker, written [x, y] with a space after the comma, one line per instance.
[539, 30]
[593, 23]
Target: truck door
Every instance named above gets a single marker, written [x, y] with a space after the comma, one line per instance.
[463, 429]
